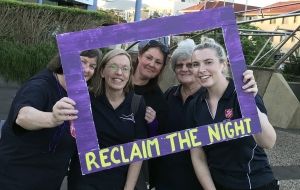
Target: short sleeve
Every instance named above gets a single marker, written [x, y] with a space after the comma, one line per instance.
[140, 122]
[260, 104]
[33, 95]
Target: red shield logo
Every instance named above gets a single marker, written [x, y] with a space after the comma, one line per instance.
[229, 113]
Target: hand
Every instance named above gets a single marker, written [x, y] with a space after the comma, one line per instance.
[150, 114]
[64, 110]
[250, 85]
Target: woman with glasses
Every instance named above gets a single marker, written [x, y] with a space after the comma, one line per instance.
[36, 145]
[151, 61]
[175, 171]
[235, 164]
[111, 99]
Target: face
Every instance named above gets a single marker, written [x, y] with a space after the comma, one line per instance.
[185, 72]
[116, 73]
[88, 66]
[150, 63]
[208, 66]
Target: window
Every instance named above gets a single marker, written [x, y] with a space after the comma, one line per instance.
[273, 21]
[295, 19]
[285, 20]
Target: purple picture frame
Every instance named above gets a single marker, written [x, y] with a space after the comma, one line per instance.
[92, 158]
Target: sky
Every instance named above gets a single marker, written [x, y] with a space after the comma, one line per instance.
[168, 3]
[259, 3]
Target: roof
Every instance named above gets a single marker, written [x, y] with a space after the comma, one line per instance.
[277, 8]
[214, 4]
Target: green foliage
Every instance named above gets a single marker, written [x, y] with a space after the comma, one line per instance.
[251, 45]
[19, 62]
[291, 71]
[27, 34]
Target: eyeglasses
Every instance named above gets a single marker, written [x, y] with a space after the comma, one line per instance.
[115, 68]
[154, 43]
[188, 65]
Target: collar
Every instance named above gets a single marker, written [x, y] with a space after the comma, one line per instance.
[229, 92]
[178, 94]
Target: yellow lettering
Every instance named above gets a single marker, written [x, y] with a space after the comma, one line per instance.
[151, 143]
[184, 140]
[222, 130]
[90, 159]
[144, 149]
[103, 157]
[123, 158]
[135, 151]
[248, 126]
[214, 134]
[171, 139]
[239, 128]
[193, 137]
[229, 130]
[112, 155]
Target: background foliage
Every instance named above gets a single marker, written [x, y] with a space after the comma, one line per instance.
[27, 34]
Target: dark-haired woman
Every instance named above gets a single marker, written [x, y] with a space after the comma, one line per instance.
[36, 145]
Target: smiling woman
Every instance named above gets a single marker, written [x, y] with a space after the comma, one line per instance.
[111, 98]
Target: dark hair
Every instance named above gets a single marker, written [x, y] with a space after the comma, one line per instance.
[55, 64]
[98, 83]
[153, 44]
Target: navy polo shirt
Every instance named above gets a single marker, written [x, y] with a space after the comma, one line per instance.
[26, 159]
[113, 126]
[154, 98]
[175, 171]
[235, 164]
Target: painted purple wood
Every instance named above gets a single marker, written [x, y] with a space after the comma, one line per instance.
[71, 44]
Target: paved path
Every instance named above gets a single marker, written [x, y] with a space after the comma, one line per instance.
[285, 158]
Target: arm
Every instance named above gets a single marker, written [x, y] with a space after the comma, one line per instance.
[267, 137]
[33, 119]
[201, 168]
[132, 175]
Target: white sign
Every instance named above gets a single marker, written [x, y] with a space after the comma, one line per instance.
[88, 2]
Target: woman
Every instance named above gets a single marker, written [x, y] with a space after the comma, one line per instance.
[175, 171]
[115, 123]
[36, 145]
[235, 164]
[151, 61]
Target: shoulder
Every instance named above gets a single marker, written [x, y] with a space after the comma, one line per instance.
[171, 90]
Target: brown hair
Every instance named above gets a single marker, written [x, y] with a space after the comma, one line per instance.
[55, 64]
[145, 47]
[98, 82]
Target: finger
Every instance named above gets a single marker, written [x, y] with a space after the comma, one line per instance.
[68, 100]
[64, 105]
[69, 117]
[67, 112]
[248, 75]
[249, 84]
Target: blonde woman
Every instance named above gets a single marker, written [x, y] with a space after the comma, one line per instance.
[115, 123]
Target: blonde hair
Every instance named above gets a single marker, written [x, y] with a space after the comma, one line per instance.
[210, 43]
[98, 82]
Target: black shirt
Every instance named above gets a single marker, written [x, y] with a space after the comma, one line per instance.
[39, 159]
[175, 171]
[239, 163]
[113, 126]
[154, 98]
